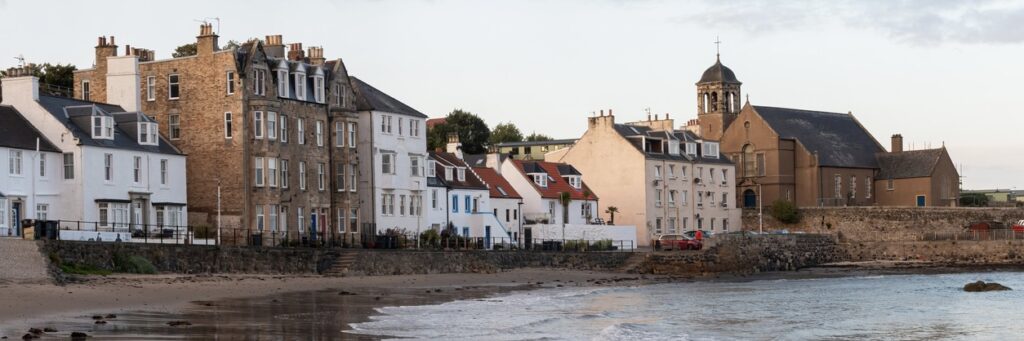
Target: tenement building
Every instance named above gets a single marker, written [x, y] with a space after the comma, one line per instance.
[814, 158]
[269, 133]
[661, 179]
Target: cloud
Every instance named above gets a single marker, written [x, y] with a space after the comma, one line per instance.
[918, 22]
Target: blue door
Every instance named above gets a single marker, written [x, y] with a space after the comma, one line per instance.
[16, 218]
[312, 226]
[920, 201]
[749, 198]
[487, 237]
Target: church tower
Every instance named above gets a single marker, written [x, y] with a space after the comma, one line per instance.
[718, 100]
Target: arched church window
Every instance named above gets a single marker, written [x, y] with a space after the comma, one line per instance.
[714, 101]
[748, 161]
[704, 107]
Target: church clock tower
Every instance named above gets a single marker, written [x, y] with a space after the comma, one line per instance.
[718, 100]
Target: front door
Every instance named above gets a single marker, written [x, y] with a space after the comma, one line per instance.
[137, 222]
[312, 226]
[487, 237]
[920, 201]
[16, 218]
[528, 237]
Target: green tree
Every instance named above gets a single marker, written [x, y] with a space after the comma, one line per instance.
[565, 199]
[184, 50]
[611, 210]
[55, 79]
[973, 200]
[505, 132]
[473, 132]
[538, 137]
[232, 44]
[785, 211]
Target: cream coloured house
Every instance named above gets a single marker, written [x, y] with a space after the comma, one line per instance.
[685, 182]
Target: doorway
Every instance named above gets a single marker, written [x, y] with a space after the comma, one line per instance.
[16, 217]
[749, 198]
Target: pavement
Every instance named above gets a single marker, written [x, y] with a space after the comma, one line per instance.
[21, 262]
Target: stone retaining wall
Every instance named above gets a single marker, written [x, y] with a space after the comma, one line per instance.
[376, 263]
[946, 252]
[884, 223]
[742, 255]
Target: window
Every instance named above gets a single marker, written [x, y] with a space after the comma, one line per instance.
[137, 169]
[671, 171]
[890, 185]
[540, 179]
[104, 214]
[385, 124]
[173, 126]
[657, 225]
[574, 181]
[867, 187]
[431, 168]
[461, 173]
[230, 78]
[353, 220]
[150, 88]
[318, 89]
[271, 125]
[102, 127]
[657, 172]
[671, 225]
[108, 167]
[259, 171]
[711, 198]
[339, 134]
[42, 165]
[711, 176]
[469, 204]
[284, 128]
[351, 135]
[3, 212]
[302, 175]
[455, 204]
[399, 126]
[414, 161]
[300, 216]
[839, 186]
[672, 198]
[300, 86]
[228, 132]
[147, 133]
[257, 124]
[657, 197]
[725, 176]
[710, 150]
[682, 172]
[163, 172]
[41, 211]
[284, 173]
[320, 177]
[259, 83]
[301, 126]
[173, 88]
[414, 128]
[259, 218]
[853, 186]
[339, 173]
[352, 178]
[272, 172]
[282, 83]
[682, 199]
[691, 148]
[319, 133]
[14, 162]
[337, 94]
[386, 163]
[760, 164]
[401, 205]
[725, 198]
[433, 199]
[69, 166]
[273, 217]
[86, 92]
[447, 173]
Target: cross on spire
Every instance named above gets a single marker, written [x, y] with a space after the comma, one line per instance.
[718, 45]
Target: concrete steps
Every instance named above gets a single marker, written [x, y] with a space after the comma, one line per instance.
[630, 265]
[22, 263]
[342, 264]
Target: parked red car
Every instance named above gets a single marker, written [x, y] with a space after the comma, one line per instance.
[1018, 226]
[670, 242]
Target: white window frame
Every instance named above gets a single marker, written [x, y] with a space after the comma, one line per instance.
[283, 136]
[260, 218]
[69, 162]
[171, 85]
[284, 173]
[300, 125]
[461, 173]
[259, 83]
[137, 169]
[282, 83]
[302, 175]
[352, 173]
[387, 163]
[431, 168]
[260, 177]
[174, 126]
[339, 175]
[540, 179]
[351, 134]
[257, 124]
[319, 133]
[271, 172]
[273, 217]
[414, 165]
[108, 167]
[271, 125]
[86, 90]
[150, 88]
[300, 85]
[339, 134]
[230, 82]
[163, 172]
[14, 159]
[318, 89]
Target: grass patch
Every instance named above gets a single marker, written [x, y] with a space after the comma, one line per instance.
[83, 269]
[133, 264]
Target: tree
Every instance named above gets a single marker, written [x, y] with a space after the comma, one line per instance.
[565, 199]
[612, 210]
[505, 132]
[785, 211]
[184, 50]
[232, 44]
[473, 132]
[55, 79]
[538, 137]
[973, 200]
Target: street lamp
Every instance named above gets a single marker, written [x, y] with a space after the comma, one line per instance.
[760, 210]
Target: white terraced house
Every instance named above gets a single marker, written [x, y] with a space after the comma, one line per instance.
[30, 177]
[117, 173]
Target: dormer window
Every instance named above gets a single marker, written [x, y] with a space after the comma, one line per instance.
[147, 134]
[574, 181]
[540, 179]
[103, 127]
[431, 171]
[710, 150]
[462, 174]
[448, 173]
[673, 148]
[691, 149]
[318, 86]
[282, 83]
[300, 82]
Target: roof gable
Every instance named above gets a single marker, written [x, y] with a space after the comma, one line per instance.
[908, 164]
[442, 160]
[497, 185]
[556, 184]
[58, 107]
[17, 132]
[369, 98]
[838, 139]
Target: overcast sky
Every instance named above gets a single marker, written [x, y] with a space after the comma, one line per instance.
[936, 71]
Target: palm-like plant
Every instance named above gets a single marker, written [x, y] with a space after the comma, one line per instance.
[565, 198]
[611, 210]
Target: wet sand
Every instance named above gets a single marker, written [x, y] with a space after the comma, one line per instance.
[240, 306]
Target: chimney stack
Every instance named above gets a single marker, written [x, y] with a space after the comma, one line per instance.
[316, 55]
[897, 144]
[295, 52]
[104, 48]
[454, 146]
[206, 42]
[273, 46]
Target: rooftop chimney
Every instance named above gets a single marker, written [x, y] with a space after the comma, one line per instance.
[295, 52]
[454, 146]
[316, 55]
[104, 48]
[897, 144]
[206, 42]
[273, 46]
[19, 86]
[123, 84]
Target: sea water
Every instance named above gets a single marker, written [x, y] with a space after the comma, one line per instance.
[890, 307]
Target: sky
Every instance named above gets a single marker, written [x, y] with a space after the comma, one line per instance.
[939, 72]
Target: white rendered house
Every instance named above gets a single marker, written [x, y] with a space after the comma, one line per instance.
[30, 177]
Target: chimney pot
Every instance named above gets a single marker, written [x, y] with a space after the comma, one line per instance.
[112, 43]
[602, 112]
[609, 112]
[897, 143]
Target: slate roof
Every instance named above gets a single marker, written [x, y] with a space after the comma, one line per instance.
[718, 73]
[17, 132]
[908, 164]
[536, 143]
[310, 70]
[495, 181]
[838, 139]
[630, 132]
[443, 159]
[122, 140]
[556, 184]
[369, 98]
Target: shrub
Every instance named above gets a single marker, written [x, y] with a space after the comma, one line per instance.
[133, 264]
[204, 232]
[973, 200]
[430, 238]
[785, 211]
[83, 269]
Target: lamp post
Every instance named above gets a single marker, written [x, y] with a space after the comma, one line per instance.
[218, 212]
[760, 211]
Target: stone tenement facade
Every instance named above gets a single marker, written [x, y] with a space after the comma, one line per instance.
[273, 132]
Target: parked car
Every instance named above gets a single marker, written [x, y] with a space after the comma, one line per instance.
[670, 242]
[693, 234]
[986, 226]
[1018, 226]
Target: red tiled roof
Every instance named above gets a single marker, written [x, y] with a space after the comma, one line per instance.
[448, 159]
[556, 184]
[495, 180]
[435, 121]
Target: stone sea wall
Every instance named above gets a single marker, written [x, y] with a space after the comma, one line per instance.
[377, 263]
[743, 255]
[884, 223]
[950, 252]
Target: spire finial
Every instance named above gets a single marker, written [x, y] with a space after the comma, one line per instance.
[718, 52]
